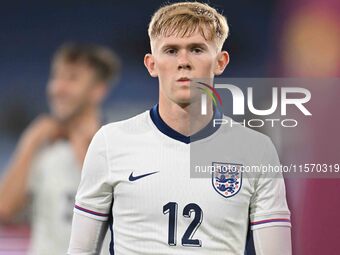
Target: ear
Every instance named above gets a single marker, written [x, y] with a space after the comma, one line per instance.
[149, 63]
[222, 62]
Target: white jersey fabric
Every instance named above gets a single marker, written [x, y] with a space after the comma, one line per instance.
[53, 182]
[136, 174]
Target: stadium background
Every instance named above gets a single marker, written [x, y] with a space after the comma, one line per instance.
[281, 38]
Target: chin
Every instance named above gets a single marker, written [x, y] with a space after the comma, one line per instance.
[183, 99]
[193, 99]
[62, 117]
[185, 102]
[64, 113]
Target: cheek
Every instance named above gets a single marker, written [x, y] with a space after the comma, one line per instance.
[52, 88]
[73, 93]
[165, 66]
[207, 66]
[86, 92]
[81, 93]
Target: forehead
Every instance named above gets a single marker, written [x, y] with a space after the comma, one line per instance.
[67, 65]
[180, 41]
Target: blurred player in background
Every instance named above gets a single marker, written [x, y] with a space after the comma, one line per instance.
[137, 172]
[46, 166]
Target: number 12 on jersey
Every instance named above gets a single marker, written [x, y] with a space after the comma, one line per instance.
[171, 208]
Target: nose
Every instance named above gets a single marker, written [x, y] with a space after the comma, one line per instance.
[183, 61]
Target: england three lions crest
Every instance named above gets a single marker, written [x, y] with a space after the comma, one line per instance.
[226, 178]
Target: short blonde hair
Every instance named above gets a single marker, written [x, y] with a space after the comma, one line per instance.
[184, 18]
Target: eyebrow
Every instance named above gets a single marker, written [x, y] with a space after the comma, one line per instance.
[191, 45]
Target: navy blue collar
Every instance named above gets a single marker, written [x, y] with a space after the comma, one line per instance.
[168, 131]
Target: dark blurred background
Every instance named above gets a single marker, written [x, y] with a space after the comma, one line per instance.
[31, 32]
[268, 38]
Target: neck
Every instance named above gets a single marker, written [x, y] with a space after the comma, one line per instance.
[185, 119]
[90, 117]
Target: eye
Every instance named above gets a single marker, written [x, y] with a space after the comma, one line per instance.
[171, 51]
[197, 50]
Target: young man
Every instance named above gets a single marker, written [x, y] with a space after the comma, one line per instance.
[136, 174]
[47, 161]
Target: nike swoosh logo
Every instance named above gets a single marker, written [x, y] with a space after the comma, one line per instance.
[134, 178]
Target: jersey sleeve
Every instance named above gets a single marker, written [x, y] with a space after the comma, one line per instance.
[89, 243]
[94, 195]
[274, 240]
[268, 205]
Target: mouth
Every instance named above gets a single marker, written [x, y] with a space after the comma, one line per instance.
[184, 79]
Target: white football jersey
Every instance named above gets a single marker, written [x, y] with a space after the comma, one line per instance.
[53, 182]
[137, 175]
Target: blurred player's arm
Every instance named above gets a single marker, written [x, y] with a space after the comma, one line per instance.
[14, 184]
[272, 241]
